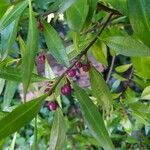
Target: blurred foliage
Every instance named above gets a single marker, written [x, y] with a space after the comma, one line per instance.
[100, 116]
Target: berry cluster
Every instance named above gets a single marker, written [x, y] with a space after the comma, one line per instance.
[66, 89]
[85, 67]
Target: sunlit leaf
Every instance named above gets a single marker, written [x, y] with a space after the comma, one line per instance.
[123, 68]
[139, 15]
[12, 13]
[31, 50]
[76, 15]
[20, 117]
[58, 131]
[10, 90]
[100, 89]
[127, 46]
[93, 118]
[55, 44]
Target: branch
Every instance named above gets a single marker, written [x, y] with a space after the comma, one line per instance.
[78, 57]
[100, 6]
[111, 69]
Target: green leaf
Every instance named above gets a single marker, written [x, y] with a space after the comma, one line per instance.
[12, 13]
[58, 131]
[93, 118]
[99, 52]
[65, 5]
[146, 93]
[117, 76]
[140, 115]
[20, 117]
[13, 34]
[100, 89]
[49, 74]
[14, 74]
[30, 53]
[10, 90]
[2, 83]
[139, 15]
[92, 8]
[55, 44]
[123, 68]
[141, 66]
[127, 46]
[76, 15]
[3, 7]
[120, 5]
[3, 114]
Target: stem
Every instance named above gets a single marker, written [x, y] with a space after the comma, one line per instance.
[35, 133]
[111, 69]
[100, 6]
[78, 57]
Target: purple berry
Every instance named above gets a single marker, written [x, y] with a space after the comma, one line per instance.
[66, 89]
[41, 58]
[78, 65]
[52, 105]
[86, 67]
[72, 73]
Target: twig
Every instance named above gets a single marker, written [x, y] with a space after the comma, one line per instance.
[78, 57]
[98, 25]
[111, 68]
[100, 6]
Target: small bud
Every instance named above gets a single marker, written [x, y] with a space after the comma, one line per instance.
[46, 90]
[66, 89]
[71, 73]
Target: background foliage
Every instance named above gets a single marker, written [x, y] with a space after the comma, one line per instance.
[113, 112]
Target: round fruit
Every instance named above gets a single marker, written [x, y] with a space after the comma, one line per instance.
[78, 64]
[66, 89]
[41, 58]
[72, 73]
[86, 67]
[53, 105]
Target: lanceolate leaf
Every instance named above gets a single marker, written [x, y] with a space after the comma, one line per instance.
[92, 7]
[123, 68]
[14, 74]
[139, 15]
[93, 118]
[58, 132]
[30, 53]
[2, 83]
[99, 51]
[100, 89]
[65, 5]
[127, 46]
[120, 5]
[10, 89]
[146, 93]
[140, 115]
[12, 35]
[20, 117]
[55, 44]
[76, 15]
[12, 13]
[3, 7]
